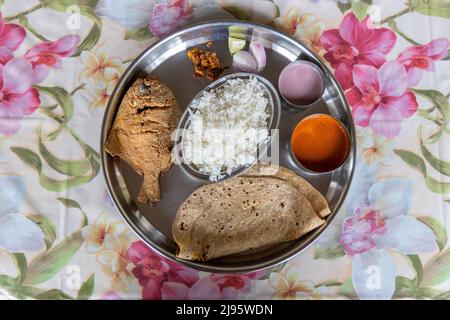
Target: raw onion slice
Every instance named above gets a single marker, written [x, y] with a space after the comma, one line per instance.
[245, 61]
[258, 51]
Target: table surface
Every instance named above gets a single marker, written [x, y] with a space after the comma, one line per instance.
[62, 238]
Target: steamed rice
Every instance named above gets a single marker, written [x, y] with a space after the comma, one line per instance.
[226, 126]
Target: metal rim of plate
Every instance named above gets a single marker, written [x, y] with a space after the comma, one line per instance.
[122, 183]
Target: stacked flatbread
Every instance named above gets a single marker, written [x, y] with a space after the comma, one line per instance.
[261, 208]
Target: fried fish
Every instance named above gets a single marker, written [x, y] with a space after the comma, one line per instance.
[141, 132]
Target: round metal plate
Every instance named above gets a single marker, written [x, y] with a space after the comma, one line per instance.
[167, 60]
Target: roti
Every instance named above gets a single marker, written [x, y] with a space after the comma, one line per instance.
[241, 214]
[317, 200]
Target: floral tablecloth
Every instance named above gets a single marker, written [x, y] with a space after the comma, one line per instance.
[62, 238]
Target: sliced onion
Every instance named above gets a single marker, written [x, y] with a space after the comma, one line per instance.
[258, 51]
[244, 61]
[262, 36]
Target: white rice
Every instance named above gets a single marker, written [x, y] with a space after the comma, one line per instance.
[226, 127]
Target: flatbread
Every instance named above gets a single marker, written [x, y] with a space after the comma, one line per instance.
[317, 200]
[240, 214]
[141, 132]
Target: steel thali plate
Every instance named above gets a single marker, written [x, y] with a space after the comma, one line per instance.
[168, 61]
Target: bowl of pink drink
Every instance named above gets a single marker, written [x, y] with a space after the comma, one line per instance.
[301, 83]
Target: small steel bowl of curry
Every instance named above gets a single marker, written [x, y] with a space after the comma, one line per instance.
[320, 143]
